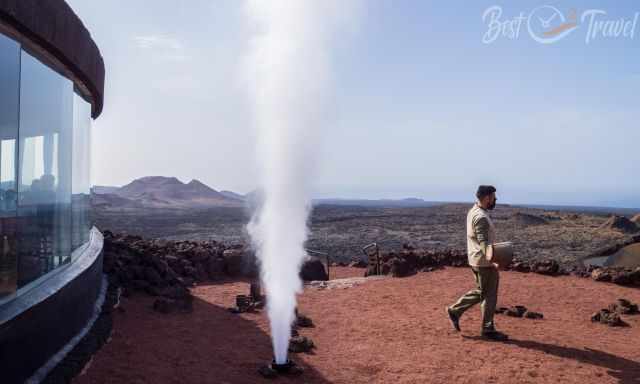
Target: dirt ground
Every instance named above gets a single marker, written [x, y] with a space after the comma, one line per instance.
[383, 331]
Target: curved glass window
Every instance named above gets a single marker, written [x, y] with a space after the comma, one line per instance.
[45, 141]
[9, 114]
[81, 180]
[44, 170]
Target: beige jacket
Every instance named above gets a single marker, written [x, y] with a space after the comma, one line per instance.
[479, 228]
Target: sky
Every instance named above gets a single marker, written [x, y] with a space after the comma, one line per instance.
[420, 105]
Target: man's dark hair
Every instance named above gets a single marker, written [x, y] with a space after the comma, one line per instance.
[485, 190]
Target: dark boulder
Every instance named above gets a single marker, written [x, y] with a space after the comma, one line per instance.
[300, 344]
[533, 315]
[303, 321]
[516, 311]
[313, 270]
[401, 268]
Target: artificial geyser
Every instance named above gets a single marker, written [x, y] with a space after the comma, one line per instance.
[288, 70]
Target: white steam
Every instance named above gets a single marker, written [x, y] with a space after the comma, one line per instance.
[289, 79]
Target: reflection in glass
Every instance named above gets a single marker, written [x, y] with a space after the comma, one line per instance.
[44, 170]
[9, 113]
[81, 188]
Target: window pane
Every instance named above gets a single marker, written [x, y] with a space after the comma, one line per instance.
[9, 112]
[44, 170]
[80, 199]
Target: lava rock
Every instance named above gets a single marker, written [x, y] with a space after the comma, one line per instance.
[516, 311]
[303, 321]
[313, 270]
[152, 276]
[201, 272]
[234, 261]
[601, 274]
[533, 315]
[267, 372]
[520, 266]
[612, 319]
[546, 267]
[216, 267]
[401, 268]
[300, 344]
[624, 307]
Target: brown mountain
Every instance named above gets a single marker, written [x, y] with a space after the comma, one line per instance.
[168, 192]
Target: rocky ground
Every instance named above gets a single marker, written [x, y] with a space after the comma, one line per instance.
[382, 330]
[342, 231]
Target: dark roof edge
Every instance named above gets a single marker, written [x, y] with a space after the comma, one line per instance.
[53, 30]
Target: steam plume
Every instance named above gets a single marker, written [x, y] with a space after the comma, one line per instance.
[289, 72]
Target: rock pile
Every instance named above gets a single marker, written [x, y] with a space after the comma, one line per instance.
[166, 268]
[543, 267]
[409, 261]
[297, 342]
[519, 311]
[609, 318]
[624, 307]
[616, 275]
[246, 303]
[611, 315]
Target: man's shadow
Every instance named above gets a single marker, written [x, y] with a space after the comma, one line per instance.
[625, 370]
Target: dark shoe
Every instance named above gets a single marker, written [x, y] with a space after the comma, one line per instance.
[455, 320]
[494, 335]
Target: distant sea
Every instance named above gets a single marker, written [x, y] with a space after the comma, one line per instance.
[583, 209]
[415, 203]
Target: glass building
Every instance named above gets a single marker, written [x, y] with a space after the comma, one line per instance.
[51, 88]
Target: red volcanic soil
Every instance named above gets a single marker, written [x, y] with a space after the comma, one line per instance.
[382, 331]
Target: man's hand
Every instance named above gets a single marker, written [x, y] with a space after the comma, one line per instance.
[496, 265]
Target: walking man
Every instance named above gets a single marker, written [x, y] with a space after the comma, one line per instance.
[480, 238]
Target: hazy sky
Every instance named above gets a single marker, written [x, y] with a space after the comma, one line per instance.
[422, 106]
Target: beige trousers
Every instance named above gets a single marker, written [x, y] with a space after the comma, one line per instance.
[486, 293]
